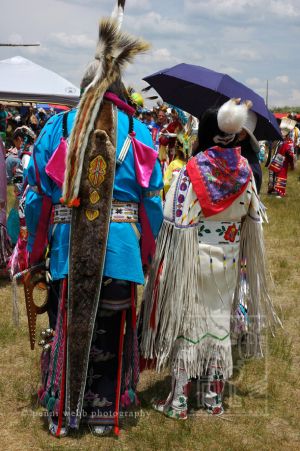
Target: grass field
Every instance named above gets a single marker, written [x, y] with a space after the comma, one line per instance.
[262, 399]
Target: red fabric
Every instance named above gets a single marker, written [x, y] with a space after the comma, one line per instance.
[41, 238]
[155, 131]
[198, 176]
[59, 107]
[147, 238]
[163, 140]
[147, 364]
[280, 168]
[284, 151]
[173, 127]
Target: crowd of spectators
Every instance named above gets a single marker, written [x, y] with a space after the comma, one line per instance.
[12, 117]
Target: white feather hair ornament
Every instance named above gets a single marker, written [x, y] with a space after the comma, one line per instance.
[118, 13]
[232, 115]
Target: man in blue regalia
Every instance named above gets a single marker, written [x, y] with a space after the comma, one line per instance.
[98, 217]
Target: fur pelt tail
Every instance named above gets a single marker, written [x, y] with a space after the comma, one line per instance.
[114, 50]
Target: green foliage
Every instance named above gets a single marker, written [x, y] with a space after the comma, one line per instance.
[284, 109]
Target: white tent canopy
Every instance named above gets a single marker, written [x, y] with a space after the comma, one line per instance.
[23, 80]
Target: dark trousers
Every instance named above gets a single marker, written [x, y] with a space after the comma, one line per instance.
[53, 301]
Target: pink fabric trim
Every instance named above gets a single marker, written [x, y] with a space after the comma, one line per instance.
[119, 103]
[56, 166]
[144, 161]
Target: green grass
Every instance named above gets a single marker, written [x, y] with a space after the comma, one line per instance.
[262, 399]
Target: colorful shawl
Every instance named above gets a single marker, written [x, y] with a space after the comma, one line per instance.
[218, 177]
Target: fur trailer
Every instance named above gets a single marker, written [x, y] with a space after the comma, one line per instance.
[114, 50]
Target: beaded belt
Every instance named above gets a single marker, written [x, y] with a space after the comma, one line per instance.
[124, 211]
[61, 214]
[120, 212]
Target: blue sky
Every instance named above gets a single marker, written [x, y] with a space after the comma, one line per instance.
[251, 40]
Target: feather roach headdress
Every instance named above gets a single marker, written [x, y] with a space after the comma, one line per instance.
[114, 50]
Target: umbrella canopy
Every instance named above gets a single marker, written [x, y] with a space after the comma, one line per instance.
[195, 89]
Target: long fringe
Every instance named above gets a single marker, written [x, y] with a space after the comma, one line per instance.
[196, 358]
[173, 305]
[179, 280]
[15, 302]
[260, 309]
[5, 246]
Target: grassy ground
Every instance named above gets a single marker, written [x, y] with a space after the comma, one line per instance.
[262, 400]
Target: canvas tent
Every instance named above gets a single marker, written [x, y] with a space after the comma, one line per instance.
[23, 80]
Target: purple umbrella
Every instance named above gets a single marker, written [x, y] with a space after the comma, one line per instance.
[195, 89]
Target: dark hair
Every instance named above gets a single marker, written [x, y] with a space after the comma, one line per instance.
[208, 129]
[118, 88]
[207, 122]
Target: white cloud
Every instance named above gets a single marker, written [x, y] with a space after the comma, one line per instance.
[136, 5]
[295, 97]
[15, 38]
[130, 5]
[230, 70]
[244, 54]
[76, 41]
[248, 9]
[285, 8]
[163, 55]
[282, 79]
[254, 81]
[156, 24]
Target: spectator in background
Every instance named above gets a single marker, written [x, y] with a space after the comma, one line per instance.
[16, 164]
[179, 160]
[148, 120]
[42, 118]
[4, 116]
[161, 122]
[295, 134]
[33, 121]
[283, 160]
[5, 246]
